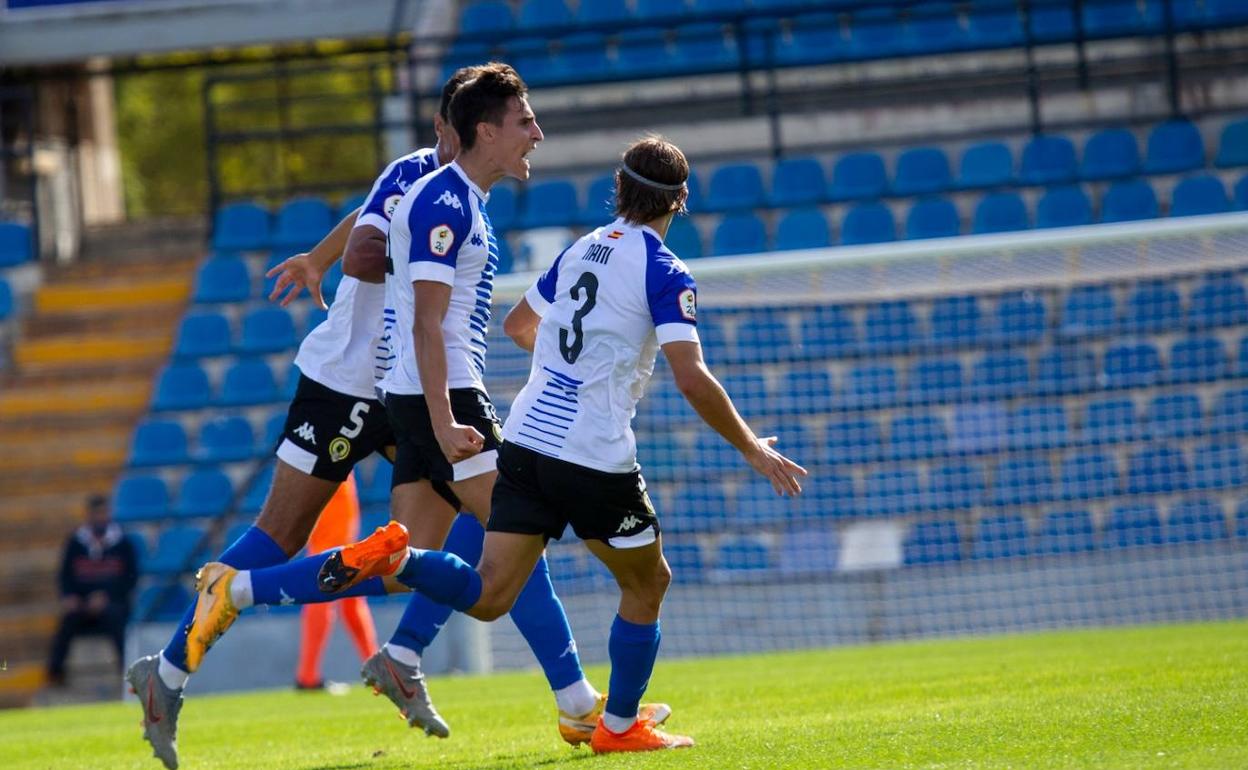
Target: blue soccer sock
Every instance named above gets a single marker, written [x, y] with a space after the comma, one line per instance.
[253, 549]
[633, 648]
[424, 617]
[443, 577]
[296, 583]
[539, 616]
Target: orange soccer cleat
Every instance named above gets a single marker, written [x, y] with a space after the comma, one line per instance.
[642, 736]
[378, 555]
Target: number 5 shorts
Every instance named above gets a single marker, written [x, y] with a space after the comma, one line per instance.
[327, 432]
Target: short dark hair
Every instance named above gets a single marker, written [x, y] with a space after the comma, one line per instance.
[96, 502]
[461, 76]
[484, 99]
[658, 160]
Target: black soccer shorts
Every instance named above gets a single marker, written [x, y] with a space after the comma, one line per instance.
[417, 454]
[328, 432]
[539, 495]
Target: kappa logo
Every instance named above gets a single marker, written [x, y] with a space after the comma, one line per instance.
[477, 240]
[285, 599]
[571, 649]
[449, 198]
[306, 433]
[629, 522]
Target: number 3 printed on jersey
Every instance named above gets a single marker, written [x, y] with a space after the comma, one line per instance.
[586, 287]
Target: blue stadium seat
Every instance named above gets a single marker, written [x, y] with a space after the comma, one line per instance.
[1038, 425]
[301, 223]
[999, 213]
[1201, 194]
[853, 440]
[661, 9]
[506, 259]
[1219, 300]
[662, 454]
[957, 320]
[1065, 369]
[377, 487]
[222, 279]
[599, 201]
[267, 330]
[202, 335]
[735, 187]
[162, 602]
[891, 492]
[828, 331]
[890, 326]
[986, 164]
[642, 52]
[714, 339]
[6, 300]
[1153, 306]
[921, 171]
[1113, 18]
[804, 391]
[1173, 415]
[805, 552]
[683, 239]
[1128, 201]
[703, 508]
[1197, 359]
[1066, 532]
[684, 558]
[978, 428]
[257, 491]
[1131, 526]
[1052, 22]
[581, 57]
[999, 374]
[858, 176]
[764, 338]
[934, 380]
[993, 24]
[273, 428]
[1065, 206]
[541, 15]
[313, 319]
[1241, 194]
[933, 542]
[917, 435]
[760, 508]
[1088, 310]
[1110, 154]
[549, 204]
[1230, 412]
[1193, 521]
[487, 18]
[225, 439]
[703, 47]
[1020, 318]
[1110, 420]
[158, 442]
[749, 390]
[933, 27]
[180, 548]
[1048, 159]
[1023, 481]
[1226, 12]
[875, 32]
[205, 493]
[241, 227]
[804, 228]
[957, 485]
[1233, 147]
[1218, 464]
[350, 204]
[502, 207]
[1089, 476]
[1001, 537]
[1174, 146]
[867, 223]
[603, 12]
[933, 218]
[1131, 365]
[15, 244]
[715, 456]
[797, 182]
[247, 382]
[464, 52]
[181, 386]
[140, 497]
[1157, 469]
[743, 554]
[815, 39]
[739, 234]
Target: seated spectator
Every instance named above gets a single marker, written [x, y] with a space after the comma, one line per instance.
[97, 577]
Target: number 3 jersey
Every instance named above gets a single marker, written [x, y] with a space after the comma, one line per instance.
[607, 304]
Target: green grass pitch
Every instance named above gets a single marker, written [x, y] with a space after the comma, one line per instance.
[1149, 697]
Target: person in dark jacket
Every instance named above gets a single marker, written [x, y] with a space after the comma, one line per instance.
[97, 577]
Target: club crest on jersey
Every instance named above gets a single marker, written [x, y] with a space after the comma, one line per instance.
[689, 304]
[440, 240]
[391, 203]
[449, 198]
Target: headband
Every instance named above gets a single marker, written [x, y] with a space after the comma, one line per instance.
[650, 182]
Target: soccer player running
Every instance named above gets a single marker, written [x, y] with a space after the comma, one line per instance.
[334, 421]
[594, 322]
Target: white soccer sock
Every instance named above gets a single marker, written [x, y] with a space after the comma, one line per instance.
[577, 699]
[404, 655]
[616, 724]
[240, 590]
[173, 677]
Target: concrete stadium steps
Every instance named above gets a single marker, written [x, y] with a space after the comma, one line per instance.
[117, 400]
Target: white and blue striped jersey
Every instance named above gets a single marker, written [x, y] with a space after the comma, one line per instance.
[607, 303]
[346, 352]
[441, 233]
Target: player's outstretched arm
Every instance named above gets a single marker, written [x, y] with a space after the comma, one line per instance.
[365, 259]
[457, 442]
[709, 399]
[521, 325]
[305, 271]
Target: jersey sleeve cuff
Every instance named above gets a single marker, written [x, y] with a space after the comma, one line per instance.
[373, 220]
[676, 332]
[432, 271]
[536, 301]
